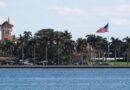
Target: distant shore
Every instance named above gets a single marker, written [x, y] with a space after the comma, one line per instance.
[63, 66]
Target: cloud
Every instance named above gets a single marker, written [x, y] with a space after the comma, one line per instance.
[66, 10]
[120, 21]
[2, 4]
[116, 14]
[112, 10]
[123, 8]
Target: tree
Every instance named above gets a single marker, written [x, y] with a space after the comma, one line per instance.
[81, 44]
[59, 40]
[115, 47]
[23, 45]
[45, 38]
[98, 43]
[7, 48]
[127, 47]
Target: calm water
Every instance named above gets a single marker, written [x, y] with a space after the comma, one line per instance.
[64, 79]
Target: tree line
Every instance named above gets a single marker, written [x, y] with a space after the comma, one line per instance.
[57, 47]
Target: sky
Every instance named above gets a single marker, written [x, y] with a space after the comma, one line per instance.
[79, 17]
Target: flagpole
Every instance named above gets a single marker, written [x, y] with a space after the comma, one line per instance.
[103, 30]
[108, 42]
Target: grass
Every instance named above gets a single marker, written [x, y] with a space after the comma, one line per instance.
[112, 63]
[118, 63]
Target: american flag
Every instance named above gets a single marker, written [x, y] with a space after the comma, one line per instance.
[103, 29]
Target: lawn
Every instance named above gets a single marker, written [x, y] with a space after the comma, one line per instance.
[118, 63]
[112, 63]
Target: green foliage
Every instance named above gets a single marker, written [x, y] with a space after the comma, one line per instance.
[58, 47]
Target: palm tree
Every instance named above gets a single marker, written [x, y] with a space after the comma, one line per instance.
[68, 46]
[58, 37]
[45, 37]
[116, 45]
[68, 49]
[22, 45]
[27, 36]
[127, 45]
[33, 46]
[81, 44]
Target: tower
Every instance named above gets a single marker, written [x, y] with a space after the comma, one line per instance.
[6, 29]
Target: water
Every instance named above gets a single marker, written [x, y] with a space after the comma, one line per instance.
[64, 79]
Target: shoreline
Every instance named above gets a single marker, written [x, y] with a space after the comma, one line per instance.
[63, 66]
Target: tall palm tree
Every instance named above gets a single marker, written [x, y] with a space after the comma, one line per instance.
[81, 44]
[23, 44]
[68, 49]
[127, 46]
[27, 36]
[67, 46]
[45, 36]
[116, 45]
[58, 37]
[33, 46]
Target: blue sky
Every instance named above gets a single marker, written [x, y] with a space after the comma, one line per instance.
[80, 17]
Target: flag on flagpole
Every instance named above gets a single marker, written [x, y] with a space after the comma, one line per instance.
[103, 29]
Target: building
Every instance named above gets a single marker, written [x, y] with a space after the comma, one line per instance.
[6, 29]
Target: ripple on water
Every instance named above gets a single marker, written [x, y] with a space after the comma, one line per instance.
[64, 79]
